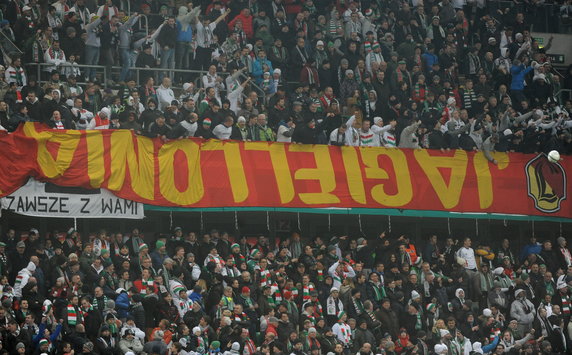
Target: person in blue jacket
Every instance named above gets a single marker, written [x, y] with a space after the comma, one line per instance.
[122, 303]
[519, 70]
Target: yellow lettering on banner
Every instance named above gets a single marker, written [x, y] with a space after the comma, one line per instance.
[484, 179]
[195, 189]
[68, 143]
[402, 178]
[95, 160]
[449, 194]
[234, 167]
[280, 166]
[323, 173]
[141, 164]
[353, 174]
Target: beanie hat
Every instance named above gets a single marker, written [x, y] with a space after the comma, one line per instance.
[143, 247]
[245, 289]
[341, 314]
[235, 245]
[376, 119]
[414, 295]
[443, 332]
[487, 312]
[431, 306]
[197, 329]
[186, 86]
[215, 344]
[235, 346]
[159, 244]
[254, 253]
[207, 121]
[498, 271]
[44, 341]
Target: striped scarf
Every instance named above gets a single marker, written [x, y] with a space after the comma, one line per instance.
[346, 333]
[379, 291]
[275, 290]
[16, 75]
[306, 292]
[74, 316]
[565, 304]
[264, 278]
[95, 304]
[333, 27]
[320, 275]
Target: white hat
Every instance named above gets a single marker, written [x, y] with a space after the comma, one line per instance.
[487, 312]
[186, 86]
[69, 102]
[561, 284]
[492, 40]
[319, 43]
[440, 348]
[349, 71]
[507, 132]
[119, 290]
[443, 332]
[241, 119]
[377, 119]
[106, 111]
[26, 8]
[334, 289]
[414, 295]
[539, 77]
[498, 271]
[518, 291]
[451, 101]
[477, 347]
[197, 329]
[277, 71]
[249, 46]
[518, 35]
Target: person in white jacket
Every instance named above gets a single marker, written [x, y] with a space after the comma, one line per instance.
[223, 130]
[522, 310]
[339, 271]
[165, 94]
[342, 330]
[54, 55]
[23, 278]
[379, 129]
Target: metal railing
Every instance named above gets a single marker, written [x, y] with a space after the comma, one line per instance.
[541, 17]
[106, 75]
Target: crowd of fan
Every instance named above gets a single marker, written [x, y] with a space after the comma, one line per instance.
[113, 294]
[439, 75]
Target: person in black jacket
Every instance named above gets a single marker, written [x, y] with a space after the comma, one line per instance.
[158, 128]
[437, 138]
[167, 39]
[204, 129]
[306, 134]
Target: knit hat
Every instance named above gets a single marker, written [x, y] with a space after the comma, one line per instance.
[254, 253]
[245, 289]
[524, 276]
[402, 62]
[312, 330]
[20, 244]
[376, 119]
[104, 251]
[235, 346]
[341, 314]
[143, 247]
[443, 333]
[277, 71]
[431, 306]
[44, 341]
[487, 312]
[320, 43]
[287, 294]
[349, 71]
[517, 292]
[20, 345]
[334, 289]
[414, 295]
[159, 244]
[186, 86]
[241, 119]
[207, 121]
[197, 329]
[46, 307]
[498, 271]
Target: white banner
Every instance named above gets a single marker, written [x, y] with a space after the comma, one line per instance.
[48, 200]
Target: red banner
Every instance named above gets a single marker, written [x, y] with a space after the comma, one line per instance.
[198, 173]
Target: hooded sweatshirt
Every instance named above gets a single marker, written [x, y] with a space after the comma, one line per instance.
[185, 31]
[23, 278]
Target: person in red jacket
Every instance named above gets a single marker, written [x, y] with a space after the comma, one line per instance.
[246, 19]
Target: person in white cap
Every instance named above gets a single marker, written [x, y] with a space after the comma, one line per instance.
[334, 305]
[440, 349]
[24, 276]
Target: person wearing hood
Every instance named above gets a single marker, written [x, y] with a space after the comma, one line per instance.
[57, 122]
[186, 16]
[285, 130]
[522, 310]
[23, 278]
[101, 120]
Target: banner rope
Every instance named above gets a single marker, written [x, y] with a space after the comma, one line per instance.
[389, 223]
[236, 221]
[449, 225]
[359, 221]
[202, 226]
[300, 229]
[533, 233]
[268, 220]
[75, 225]
[170, 220]
[330, 223]
[476, 227]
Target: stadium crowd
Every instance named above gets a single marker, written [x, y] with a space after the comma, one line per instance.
[187, 294]
[439, 75]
